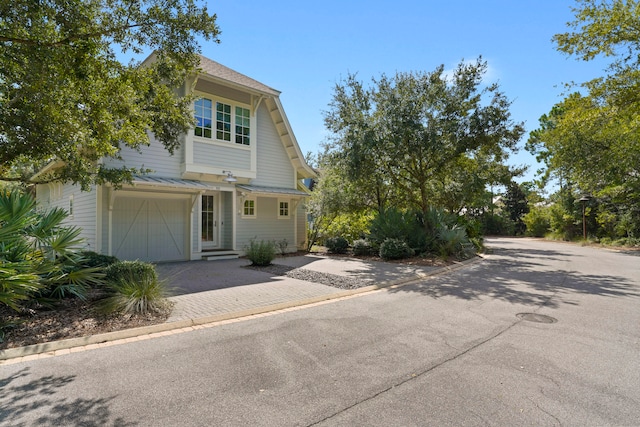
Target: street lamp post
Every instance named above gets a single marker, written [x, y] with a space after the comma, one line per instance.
[584, 200]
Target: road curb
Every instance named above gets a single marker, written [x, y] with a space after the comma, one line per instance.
[54, 348]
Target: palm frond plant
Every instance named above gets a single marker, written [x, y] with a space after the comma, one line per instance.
[38, 256]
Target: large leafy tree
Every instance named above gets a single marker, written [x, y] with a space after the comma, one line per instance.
[64, 95]
[592, 138]
[417, 133]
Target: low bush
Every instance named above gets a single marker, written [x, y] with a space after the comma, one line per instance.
[454, 241]
[537, 221]
[351, 226]
[395, 249]
[133, 287]
[94, 259]
[337, 245]
[260, 253]
[362, 247]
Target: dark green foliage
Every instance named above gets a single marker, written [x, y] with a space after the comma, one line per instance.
[337, 245]
[37, 255]
[516, 205]
[133, 287]
[129, 270]
[395, 249]
[94, 259]
[408, 226]
[363, 247]
[260, 253]
[454, 241]
[496, 225]
[66, 96]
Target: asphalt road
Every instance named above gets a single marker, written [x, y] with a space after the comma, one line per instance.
[451, 350]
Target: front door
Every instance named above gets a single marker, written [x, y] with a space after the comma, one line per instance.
[209, 222]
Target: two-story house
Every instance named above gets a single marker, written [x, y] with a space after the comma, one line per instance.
[237, 176]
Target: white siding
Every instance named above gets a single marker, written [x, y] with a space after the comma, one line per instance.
[266, 226]
[301, 224]
[274, 168]
[154, 157]
[226, 216]
[215, 155]
[195, 226]
[84, 208]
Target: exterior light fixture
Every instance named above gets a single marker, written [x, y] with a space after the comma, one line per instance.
[229, 178]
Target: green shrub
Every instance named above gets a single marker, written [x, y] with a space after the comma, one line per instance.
[133, 287]
[454, 241]
[362, 247]
[537, 221]
[337, 245]
[392, 224]
[351, 226]
[395, 249]
[94, 259]
[38, 255]
[496, 225]
[260, 253]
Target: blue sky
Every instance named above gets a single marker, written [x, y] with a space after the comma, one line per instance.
[304, 48]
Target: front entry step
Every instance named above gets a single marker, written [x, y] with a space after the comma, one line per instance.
[218, 255]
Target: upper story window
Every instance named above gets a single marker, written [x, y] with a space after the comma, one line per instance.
[242, 126]
[203, 117]
[223, 121]
[226, 116]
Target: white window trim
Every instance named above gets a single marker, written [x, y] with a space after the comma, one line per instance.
[288, 202]
[255, 207]
[233, 104]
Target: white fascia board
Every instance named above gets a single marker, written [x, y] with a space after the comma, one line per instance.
[307, 171]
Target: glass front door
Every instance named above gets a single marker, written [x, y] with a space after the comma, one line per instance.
[209, 222]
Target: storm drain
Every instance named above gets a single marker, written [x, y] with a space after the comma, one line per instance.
[538, 318]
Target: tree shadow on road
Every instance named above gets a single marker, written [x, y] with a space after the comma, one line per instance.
[518, 279]
[26, 402]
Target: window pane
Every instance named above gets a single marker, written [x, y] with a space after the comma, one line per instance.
[202, 114]
[243, 124]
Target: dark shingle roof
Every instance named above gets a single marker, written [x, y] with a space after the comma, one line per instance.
[221, 72]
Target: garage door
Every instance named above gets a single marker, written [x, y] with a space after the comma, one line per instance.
[150, 229]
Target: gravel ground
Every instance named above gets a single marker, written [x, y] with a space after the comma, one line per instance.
[334, 280]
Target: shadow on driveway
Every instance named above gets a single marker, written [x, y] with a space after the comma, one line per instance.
[515, 277]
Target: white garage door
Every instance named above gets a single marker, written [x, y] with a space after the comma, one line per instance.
[150, 229]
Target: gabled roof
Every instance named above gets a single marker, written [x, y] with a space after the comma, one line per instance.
[220, 72]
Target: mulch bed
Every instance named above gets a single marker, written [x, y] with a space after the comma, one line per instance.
[70, 318]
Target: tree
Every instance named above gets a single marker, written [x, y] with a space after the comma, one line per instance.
[592, 138]
[516, 205]
[65, 97]
[408, 131]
